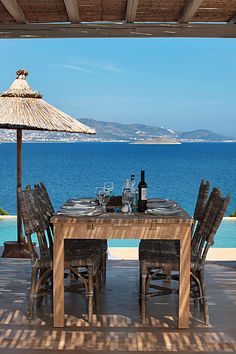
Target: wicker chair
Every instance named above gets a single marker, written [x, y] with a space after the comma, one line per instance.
[171, 246]
[96, 245]
[152, 262]
[35, 222]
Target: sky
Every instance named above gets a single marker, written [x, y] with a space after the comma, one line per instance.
[179, 84]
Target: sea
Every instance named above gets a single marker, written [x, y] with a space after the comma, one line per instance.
[76, 169]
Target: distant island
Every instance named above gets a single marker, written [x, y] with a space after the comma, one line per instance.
[118, 132]
[160, 140]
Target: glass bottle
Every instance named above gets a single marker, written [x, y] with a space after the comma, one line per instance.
[142, 193]
[127, 197]
[134, 190]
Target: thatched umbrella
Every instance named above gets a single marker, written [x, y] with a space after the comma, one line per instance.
[23, 108]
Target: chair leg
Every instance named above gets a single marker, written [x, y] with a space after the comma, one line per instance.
[34, 275]
[90, 294]
[97, 290]
[167, 273]
[143, 273]
[104, 270]
[205, 303]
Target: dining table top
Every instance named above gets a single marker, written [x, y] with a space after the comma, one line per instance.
[182, 217]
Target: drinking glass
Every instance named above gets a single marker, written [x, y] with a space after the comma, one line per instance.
[104, 198]
[97, 192]
[108, 187]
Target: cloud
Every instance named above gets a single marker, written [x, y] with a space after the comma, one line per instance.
[93, 66]
[110, 67]
[75, 67]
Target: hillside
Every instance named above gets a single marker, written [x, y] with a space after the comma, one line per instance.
[127, 132]
[201, 134]
[133, 132]
[113, 131]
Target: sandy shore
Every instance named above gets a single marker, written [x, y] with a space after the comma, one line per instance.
[7, 217]
[214, 254]
[131, 253]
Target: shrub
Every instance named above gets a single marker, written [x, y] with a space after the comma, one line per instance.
[233, 214]
[3, 212]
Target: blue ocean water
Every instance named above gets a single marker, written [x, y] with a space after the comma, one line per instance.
[75, 169]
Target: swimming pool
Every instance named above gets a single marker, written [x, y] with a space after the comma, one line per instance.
[225, 237]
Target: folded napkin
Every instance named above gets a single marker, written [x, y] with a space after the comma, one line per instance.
[80, 212]
[79, 206]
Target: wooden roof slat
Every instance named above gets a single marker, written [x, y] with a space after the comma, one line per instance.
[190, 9]
[215, 11]
[72, 10]
[117, 18]
[131, 10]
[15, 10]
[115, 30]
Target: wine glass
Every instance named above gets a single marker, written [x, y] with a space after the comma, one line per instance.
[97, 192]
[104, 198]
[108, 187]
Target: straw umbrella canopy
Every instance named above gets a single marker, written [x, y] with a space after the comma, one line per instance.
[23, 108]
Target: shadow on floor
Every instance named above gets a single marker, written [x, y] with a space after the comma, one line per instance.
[116, 327]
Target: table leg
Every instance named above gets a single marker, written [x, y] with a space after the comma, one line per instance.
[184, 278]
[58, 277]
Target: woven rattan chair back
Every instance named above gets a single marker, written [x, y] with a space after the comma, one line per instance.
[218, 213]
[34, 221]
[204, 234]
[46, 198]
[203, 224]
[201, 200]
[42, 200]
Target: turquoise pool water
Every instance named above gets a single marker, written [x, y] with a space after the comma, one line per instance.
[225, 237]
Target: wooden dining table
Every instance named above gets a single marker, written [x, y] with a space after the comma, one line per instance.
[122, 226]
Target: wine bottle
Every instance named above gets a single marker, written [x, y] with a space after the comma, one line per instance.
[142, 193]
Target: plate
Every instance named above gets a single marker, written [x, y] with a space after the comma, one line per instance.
[157, 200]
[165, 204]
[81, 201]
[79, 212]
[163, 211]
[85, 201]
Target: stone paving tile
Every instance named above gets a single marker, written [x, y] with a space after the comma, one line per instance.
[116, 327]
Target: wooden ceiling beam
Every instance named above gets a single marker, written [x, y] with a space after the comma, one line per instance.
[125, 30]
[131, 11]
[14, 10]
[189, 11]
[72, 10]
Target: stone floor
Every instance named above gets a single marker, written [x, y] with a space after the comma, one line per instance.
[116, 327]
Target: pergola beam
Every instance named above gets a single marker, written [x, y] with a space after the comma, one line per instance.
[14, 10]
[72, 10]
[131, 11]
[115, 30]
[190, 10]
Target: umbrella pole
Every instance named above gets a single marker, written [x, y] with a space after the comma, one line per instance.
[17, 249]
[20, 237]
